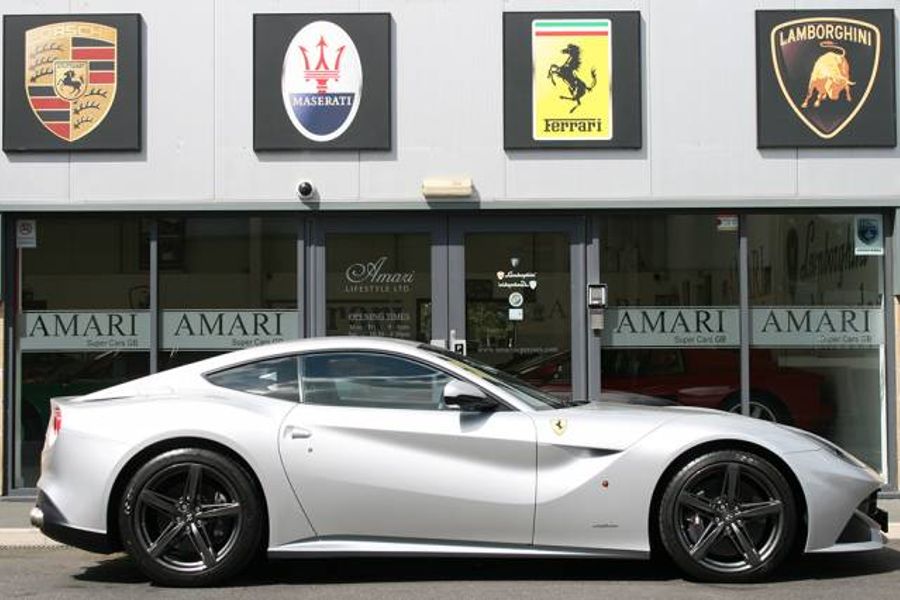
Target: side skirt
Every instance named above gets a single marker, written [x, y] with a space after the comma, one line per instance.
[337, 546]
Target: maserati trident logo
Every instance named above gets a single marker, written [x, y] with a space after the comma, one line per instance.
[826, 67]
[70, 76]
[321, 81]
[558, 425]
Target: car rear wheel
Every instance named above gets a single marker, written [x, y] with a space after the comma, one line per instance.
[728, 516]
[191, 517]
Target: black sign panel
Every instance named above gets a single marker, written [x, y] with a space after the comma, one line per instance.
[322, 81]
[825, 78]
[71, 82]
[572, 80]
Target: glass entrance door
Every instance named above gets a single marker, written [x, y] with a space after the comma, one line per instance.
[516, 298]
[379, 277]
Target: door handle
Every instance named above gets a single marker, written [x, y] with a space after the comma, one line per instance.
[299, 433]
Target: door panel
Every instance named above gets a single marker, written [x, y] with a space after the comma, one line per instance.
[516, 298]
[427, 474]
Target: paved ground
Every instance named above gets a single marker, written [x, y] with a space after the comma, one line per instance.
[67, 573]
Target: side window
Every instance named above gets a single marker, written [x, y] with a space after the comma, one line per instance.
[273, 378]
[371, 380]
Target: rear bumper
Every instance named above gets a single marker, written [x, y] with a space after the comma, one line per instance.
[48, 518]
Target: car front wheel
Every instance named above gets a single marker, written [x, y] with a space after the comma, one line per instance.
[728, 516]
[191, 517]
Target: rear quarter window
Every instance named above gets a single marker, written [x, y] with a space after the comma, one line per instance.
[273, 378]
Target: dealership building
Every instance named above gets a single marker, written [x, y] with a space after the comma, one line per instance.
[684, 202]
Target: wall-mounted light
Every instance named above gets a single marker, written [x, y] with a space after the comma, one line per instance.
[447, 187]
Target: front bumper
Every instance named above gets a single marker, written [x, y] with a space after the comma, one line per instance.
[865, 530]
[869, 507]
[48, 518]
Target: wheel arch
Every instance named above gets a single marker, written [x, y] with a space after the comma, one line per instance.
[725, 444]
[135, 462]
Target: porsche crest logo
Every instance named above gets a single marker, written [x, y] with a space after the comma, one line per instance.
[558, 425]
[70, 76]
[826, 67]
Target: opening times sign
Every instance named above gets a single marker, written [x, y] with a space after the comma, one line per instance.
[101, 331]
[719, 327]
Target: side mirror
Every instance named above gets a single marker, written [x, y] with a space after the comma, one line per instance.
[466, 397]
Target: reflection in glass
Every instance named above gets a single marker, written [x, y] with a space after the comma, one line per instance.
[673, 327]
[817, 312]
[518, 303]
[225, 283]
[378, 285]
[84, 293]
[371, 381]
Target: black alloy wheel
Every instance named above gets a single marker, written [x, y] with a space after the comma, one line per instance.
[728, 516]
[191, 517]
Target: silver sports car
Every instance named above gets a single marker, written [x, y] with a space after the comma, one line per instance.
[362, 446]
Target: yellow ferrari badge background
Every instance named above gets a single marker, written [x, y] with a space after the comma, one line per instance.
[558, 425]
[571, 79]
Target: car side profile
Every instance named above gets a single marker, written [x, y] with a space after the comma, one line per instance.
[363, 446]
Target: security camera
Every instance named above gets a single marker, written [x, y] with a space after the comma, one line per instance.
[305, 189]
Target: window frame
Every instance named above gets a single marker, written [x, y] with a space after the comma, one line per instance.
[295, 355]
[502, 406]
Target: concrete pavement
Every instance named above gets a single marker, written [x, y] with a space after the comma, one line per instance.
[72, 574]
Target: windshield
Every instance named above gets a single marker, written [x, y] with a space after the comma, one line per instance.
[530, 395]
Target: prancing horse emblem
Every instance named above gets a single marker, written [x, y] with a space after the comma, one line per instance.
[558, 425]
[568, 72]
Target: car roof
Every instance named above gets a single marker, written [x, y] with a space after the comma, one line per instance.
[330, 343]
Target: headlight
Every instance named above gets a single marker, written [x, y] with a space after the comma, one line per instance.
[832, 448]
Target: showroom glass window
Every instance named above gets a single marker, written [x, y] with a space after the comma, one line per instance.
[518, 299]
[673, 324]
[84, 325]
[378, 284]
[817, 327]
[225, 283]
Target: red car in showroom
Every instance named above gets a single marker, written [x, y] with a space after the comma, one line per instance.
[708, 378]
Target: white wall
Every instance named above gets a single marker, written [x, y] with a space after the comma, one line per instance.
[699, 119]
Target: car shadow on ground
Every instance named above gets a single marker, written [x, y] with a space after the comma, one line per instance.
[120, 569]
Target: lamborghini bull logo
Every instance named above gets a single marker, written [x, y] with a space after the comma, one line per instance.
[830, 76]
[818, 85]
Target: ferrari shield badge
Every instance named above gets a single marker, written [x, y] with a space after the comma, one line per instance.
[826, 67]
[70, 76]
[558, 425]
[571, 79]
[321, 81]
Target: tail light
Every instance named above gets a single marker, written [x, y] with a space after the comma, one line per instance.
[56, 423]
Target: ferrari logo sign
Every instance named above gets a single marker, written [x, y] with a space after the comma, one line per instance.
[70, 76]
[572, 75]
[558, 425]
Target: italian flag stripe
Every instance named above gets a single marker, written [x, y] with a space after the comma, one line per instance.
[573, 25]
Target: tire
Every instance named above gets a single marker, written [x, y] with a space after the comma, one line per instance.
[762, 406]
[191, 517]
[728, 516]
